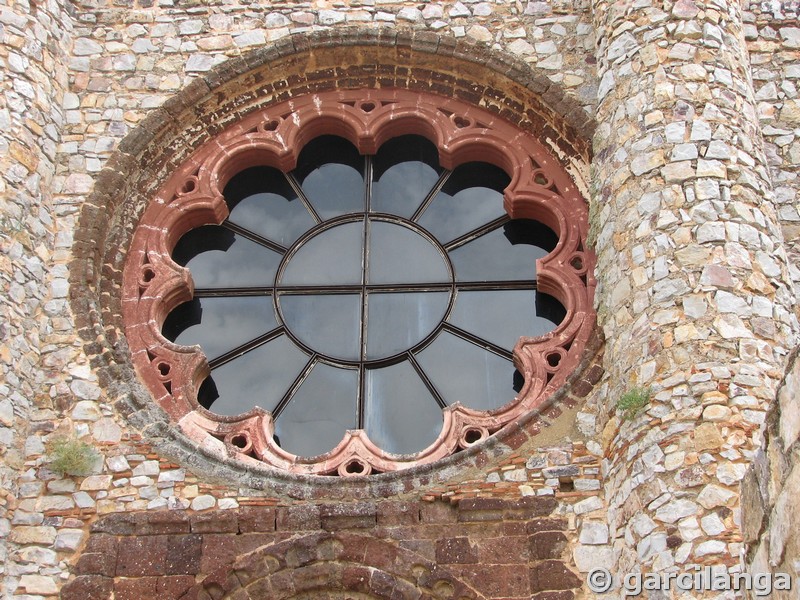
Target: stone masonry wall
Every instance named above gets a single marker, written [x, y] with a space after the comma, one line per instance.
[691, 214]
[770, 510]
[696, 297]
[34, 41]
[772, 32]
[125, 62]
[475, 548]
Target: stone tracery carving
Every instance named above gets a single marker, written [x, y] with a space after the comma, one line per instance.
[154, 284]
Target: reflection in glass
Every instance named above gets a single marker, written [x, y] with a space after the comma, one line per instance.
[328, 324]
[504, 254]
[400, 414]
[333, 257]
[399, 321]
[330, 171]
[399, 255]
[320, 412]
[220, 324]
[219, 258]
[472, 196]
[467, 373]
[262, 201]
[512, 315]
[241, 383]
[404, 172]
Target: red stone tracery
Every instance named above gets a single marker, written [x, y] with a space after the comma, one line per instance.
[154, 284]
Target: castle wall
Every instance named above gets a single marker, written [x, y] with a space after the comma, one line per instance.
[34, 43]
[695, 291]
[682, 179]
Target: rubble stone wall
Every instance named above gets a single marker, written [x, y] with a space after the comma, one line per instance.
[694, 192]
[35, 40]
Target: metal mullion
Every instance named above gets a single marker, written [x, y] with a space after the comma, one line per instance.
[360, 397]
[245, 348]
[428, 383]
[298, 381]
[226, 292]
[471, 286]
[302, 196]
[477, 341]
[431, 195]
[319, 289]
[477, 232]
[409, 287]
[254, 237]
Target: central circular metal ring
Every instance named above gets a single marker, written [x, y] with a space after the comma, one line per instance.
[364, 289]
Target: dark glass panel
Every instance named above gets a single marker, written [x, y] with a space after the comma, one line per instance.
[504, 254]
[220, 324]
[331, 173]
[333, 257]
[261, 200]
[398, 321]
[400, 414]
[404, 171]
[472, 196]
[500, 317]
[463, 372]
[319, 413]
[219, 258]
[259, 378]
[328, 324]
[399, 255]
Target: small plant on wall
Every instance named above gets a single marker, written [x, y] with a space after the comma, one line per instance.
[632, 402]
[70, 456]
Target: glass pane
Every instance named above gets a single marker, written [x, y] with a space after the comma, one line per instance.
[463, 372]
[401, 415]
[330, 171]
[404, 172]
[259, 378]
[399, 255]
[504, 254]
[472, 196]
[262, 201]
[500, 317]
[399, 321]
[218, 258]
[333, 257]
[320, 412]
[220, 324]
[328, 324]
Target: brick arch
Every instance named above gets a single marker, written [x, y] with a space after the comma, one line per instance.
[326, 565]
[296, 65]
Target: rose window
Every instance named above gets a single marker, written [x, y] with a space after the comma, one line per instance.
[354, 283]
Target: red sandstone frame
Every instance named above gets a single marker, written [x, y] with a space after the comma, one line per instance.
[153, 284]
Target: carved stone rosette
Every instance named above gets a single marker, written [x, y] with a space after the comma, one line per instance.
[154, 284]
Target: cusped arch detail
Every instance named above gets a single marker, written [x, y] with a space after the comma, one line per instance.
[271, 137]
[328, 565]
[298, 64]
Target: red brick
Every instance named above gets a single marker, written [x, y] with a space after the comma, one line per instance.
[137, 588]
[97, 563]
[553, 575]
[173, 587]
[256, 519]
[139, 556]
[183, 554]
[455, 550]
[547, 545]
[88, 587]
[511, 550]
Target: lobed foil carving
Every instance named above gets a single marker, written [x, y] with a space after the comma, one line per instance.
[154, 284]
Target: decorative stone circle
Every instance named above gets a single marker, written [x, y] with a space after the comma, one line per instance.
[153, 284]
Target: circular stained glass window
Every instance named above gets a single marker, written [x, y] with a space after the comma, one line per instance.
[363, 292]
